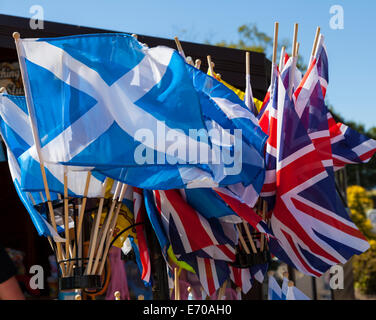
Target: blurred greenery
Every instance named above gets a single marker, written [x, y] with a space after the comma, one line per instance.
[364, 265]
[252, 39]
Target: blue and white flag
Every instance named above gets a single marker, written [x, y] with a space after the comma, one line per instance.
[120, 107]
[16, 142]
[274, 290]
[17, 129]
[293, 293]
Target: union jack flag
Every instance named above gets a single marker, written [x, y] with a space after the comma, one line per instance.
[337, 143]
[312, 228]
[179, 220]
[139, 217]
[211, 273]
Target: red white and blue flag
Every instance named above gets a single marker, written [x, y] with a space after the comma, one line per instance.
[312, 228]
[188, 231]
[139, 217]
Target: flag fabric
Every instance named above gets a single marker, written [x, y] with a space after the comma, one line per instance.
[211, 273]
[348, 146]
[242, 278]
[178, 218]
[244, 211]
[248, 96]
[313, 228]
[285, 285]
[293, 293]
[139, 217]
[242, 95]
[268, 123]
[274, 290]
[2, 154]
[17, 124]
[15, 136]
[98, 81]
[258, 271]
[156, 222]
[312, 111]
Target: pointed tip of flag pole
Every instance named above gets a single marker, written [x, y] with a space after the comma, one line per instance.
[135, 36]
[295, 39]
[16, 35]
[117, 295]
[275, 42]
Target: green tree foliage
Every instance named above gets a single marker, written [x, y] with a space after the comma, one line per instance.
[364, 265]
[252, 39]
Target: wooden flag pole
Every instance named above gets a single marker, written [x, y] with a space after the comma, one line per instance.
[315, 41]
[112, 228]
[180, 48]
[81, 215]
[274, 56]
[210, 66]
[135, 36]
[94, 237]
[292, 74]
[34, 129]
[176, 284]
[249, 236]
[275, 43]
[105, 227]
[242, 241]
[198, 63]
[295, 40]
[66, 219]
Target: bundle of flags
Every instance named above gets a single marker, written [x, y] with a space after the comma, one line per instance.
[311, 227]
[196, 152]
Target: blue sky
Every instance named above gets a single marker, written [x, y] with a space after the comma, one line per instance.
[351, 51]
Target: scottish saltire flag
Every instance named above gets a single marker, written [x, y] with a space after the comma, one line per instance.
[285, 285]
[15, 138]
[139, 217]
[208, 203]
[15, 114]
[274, 290]
[116, 100]
[293, 293]
[312, 228]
